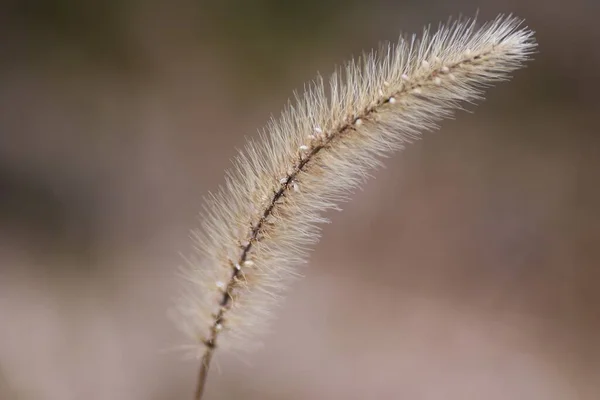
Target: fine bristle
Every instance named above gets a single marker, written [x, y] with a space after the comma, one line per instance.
[257, 228]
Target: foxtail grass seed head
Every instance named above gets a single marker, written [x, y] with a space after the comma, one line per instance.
[258, 226]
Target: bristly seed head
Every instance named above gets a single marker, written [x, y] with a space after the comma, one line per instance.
[258, 227]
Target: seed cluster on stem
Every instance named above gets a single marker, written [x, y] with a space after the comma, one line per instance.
[258, 227]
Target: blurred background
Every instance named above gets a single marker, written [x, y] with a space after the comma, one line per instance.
[468, 269]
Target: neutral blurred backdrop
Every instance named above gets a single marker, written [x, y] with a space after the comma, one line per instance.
[468, 269]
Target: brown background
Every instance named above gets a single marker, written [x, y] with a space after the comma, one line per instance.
[468, 269]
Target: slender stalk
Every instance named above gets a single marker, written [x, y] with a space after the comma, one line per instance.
[204, 367]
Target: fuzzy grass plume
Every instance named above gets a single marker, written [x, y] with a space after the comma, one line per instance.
[257, 228]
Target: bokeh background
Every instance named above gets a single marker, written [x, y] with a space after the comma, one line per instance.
[468, 269]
